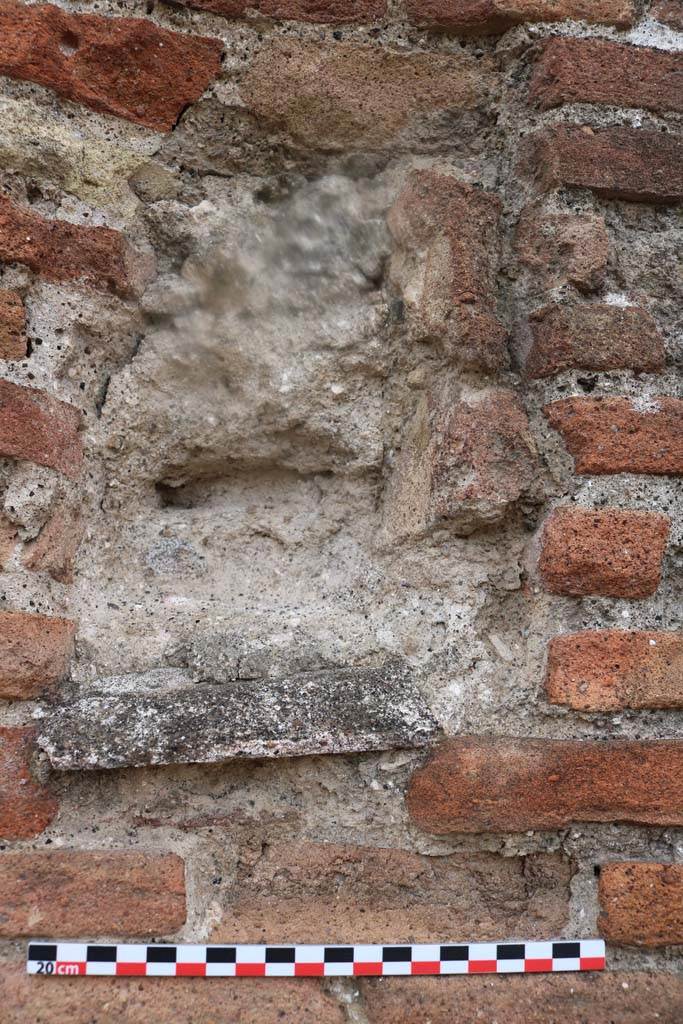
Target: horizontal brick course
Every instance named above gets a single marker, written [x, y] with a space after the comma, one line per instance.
[12, 324]
[593, 336]
[72, 894]
[617, 997]
[60, 251]
[616, 162]
[641, 904]
[495, 16]
[325, 12]
[26, 805]
[612, 669]
[597, 71]
[495, 784]
[38, 428]
[445, 262]
[128, 67]
[617, 435]
[603, 552]
[311, 90]
[303, 892]
[34, 653]
[26, 1000]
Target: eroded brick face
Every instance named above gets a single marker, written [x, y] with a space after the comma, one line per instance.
[27, 806]
[596, 71]
[68, 892]
[34, 653]
[493, 784]
[608, 552]
[561, 248]
[615, 435]
[641, 904]
[12, 323]
[610, 669]
[128, 67]
[482, 16]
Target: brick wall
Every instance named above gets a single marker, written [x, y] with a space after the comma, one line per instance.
[340, 524]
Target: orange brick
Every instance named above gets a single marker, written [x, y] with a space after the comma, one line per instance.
[128, 67]
[641, 904]
[614, 435]
[71, 893]
[35, 651]
[12, 323]
[26, 806]
[610, 669]
[495, 784]
[603, 552]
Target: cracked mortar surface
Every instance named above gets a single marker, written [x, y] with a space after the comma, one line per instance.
[241, 424]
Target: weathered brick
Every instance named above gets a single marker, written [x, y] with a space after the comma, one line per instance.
[617, 996]
[9, 535]
[496, 784]
[148, 1001]
[670, 12]
[311, 90]
[55, 548]
[128, 67]
[61, 251]
[602, 72]
[608, 552]
[593, 337]
[301, 891]
[39, 428]
[324, 12]
[12, 324]
[617, 162]
[463, 465]
[444, 264]
[496, 16]
[71, 893]
[34, 653]
[562, 248]
[641, 904]
[610, 669]
[26, 806]
[619, 435]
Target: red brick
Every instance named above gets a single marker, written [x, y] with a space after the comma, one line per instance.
[71, 893]
[61, 251]
[35, 651]
[597, 71]
[312, 91]
[302, 891]
[593, 337]
[55, 548]
[563, 248]
[12, 324]
[463, 465]
[128, 67]
[611, 669]
[496, 16]
[445, 262]
[27, 1000]
[325, 12]
[603, 552]
[26, 806]
[617, 163]
[614, 435]
[617, 997]
[670, 12]
[641, 904]
[496, 784]
[39, 428]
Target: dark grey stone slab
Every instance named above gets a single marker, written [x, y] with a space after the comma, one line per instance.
[335, 712]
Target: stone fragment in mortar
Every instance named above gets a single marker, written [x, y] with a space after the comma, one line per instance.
[348, 710]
